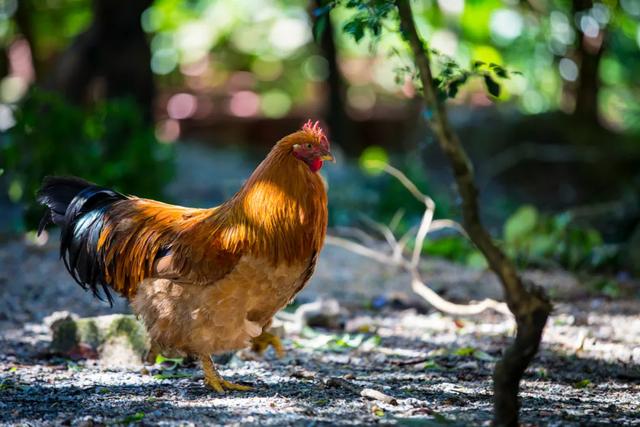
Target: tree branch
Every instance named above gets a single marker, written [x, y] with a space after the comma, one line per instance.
[412, 265]
[530, 306]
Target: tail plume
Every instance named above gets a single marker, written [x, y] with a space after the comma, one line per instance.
[78, 207]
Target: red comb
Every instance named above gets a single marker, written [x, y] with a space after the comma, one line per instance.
[316, 131]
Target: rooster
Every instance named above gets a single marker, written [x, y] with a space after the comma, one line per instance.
[204, 281]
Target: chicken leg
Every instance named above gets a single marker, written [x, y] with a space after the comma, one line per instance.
[215, 381]
[261, 343]
[153, 353]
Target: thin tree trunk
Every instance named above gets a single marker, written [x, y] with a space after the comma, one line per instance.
[587, 54]
[529, 305]
[110, 59]
[339, 122]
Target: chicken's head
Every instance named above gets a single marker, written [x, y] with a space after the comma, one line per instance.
[312, 146]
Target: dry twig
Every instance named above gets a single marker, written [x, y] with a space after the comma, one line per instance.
[412, 264]
[368, 393]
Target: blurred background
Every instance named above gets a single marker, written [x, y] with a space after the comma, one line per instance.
[179, 100]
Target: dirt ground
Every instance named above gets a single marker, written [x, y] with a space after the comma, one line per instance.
[433, 369]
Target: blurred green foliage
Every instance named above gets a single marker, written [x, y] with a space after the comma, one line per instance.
[542, 39]
[204, 44]
[534, 239]
[109, 144]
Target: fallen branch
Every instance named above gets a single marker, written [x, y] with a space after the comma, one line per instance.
[412, 361]
[412, 265]
[368, 393]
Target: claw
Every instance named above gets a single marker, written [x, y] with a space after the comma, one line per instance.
[221, 385]
[214, 380]
[261, 344]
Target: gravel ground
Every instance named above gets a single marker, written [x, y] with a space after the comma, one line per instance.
[436, 368]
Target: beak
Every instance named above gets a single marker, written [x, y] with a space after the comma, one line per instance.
[326, 155]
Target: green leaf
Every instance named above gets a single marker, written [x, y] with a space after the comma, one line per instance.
[319, 27]
[465, 351]
[542, 245]
[501, 72]
[135, 418]
[520, 224]
[355, 28]
[432, 364]
[172, 363]
[73, 366]
[454, 85]
[582, 383]
[492, 87]
[16, 190]
[322, 11]
[542, 373]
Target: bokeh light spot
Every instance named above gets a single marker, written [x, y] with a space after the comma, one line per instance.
[164, 61]
[361, 97]
[506, 25]
[12, 89]
[451, 7]
[568, 69]
[589, 26]
[445, 41]
[316, 68]
[8, 8]
[182, 106]
[373, 160]
[267, 70]
[168, 131]
[7, 121]
[533, 102]
[632, 7]
[244, 104]
[275, 104]
[601, 13]
[561, 30]
[289, 34]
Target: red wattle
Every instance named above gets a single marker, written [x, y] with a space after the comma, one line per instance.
[315, 165]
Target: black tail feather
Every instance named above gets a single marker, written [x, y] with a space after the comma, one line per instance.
[79, 208]
[56, 194]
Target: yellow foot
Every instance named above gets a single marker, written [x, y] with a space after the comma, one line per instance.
[213, 379]
[261, 344]
[153, 353]
[221, 385]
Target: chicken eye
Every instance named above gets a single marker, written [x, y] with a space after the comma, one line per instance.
[308, 146]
